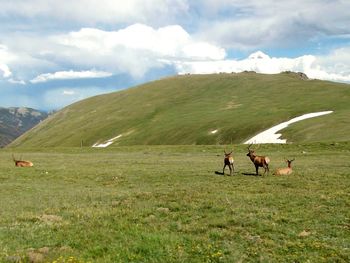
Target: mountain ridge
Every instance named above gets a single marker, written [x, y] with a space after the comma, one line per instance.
[14, 121]
[185, 109]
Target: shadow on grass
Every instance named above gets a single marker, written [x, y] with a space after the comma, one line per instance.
[237, 173]
[221, 173]
[251, 174]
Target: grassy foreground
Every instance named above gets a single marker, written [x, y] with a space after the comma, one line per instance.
[165, 204]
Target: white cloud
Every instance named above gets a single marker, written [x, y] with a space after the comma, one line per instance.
[6, 72]
[253, 24]
[5, 55]
[259, 62]
[5, 58]
[336, 64]
[134, 49]
[8, 60]
[61, 75]
[16, 81]
[248, 24]
[170, 41]
[96, 11]
[68, 92]
[139, 48]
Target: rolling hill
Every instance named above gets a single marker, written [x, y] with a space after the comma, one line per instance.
[200, 109]
[15, 121]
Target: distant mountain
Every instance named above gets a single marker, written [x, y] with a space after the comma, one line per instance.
[200, 109]
[16, 121]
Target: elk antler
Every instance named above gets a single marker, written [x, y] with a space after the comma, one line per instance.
[227, 153]
[287, 160]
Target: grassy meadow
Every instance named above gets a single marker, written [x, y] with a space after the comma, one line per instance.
[166, 204]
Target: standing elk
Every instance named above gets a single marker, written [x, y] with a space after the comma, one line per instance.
[285, 171]
[228, 160]
[258, 161]
[21, 163]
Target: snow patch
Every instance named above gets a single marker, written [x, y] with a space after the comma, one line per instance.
[106, 143]
[271, 135]
[258, 55]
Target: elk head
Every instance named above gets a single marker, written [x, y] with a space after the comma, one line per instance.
[251, 152]
[289, 162]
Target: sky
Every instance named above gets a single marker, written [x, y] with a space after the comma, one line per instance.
[54, 53]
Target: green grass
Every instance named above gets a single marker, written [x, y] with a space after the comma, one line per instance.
[165, 204]
[183, 110]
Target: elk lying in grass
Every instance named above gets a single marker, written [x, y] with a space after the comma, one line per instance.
[21, 163]
[228, 160]
[285, 171]
[258, 161]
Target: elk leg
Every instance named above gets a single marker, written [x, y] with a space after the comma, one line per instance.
[266, 168]
[229, 166]
[233, 168]
[256, 169]
[223, 170]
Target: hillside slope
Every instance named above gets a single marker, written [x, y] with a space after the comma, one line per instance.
[15, 121]
[200, 109]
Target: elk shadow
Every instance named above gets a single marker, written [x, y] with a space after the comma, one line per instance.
[226, 174]
[250, 174]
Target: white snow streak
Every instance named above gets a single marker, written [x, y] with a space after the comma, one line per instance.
[106, 143]
[271, 135]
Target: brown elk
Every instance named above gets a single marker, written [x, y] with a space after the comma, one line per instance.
[285, 171]
[228, 160]
[21, 163]
[258, 161]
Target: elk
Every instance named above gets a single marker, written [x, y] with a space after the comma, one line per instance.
[285, 171]
[258, 161]
[21, 163]
[228, 160]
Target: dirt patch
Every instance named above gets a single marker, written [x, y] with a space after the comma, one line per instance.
[35, 257]
[50, 219]
[304, 233]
